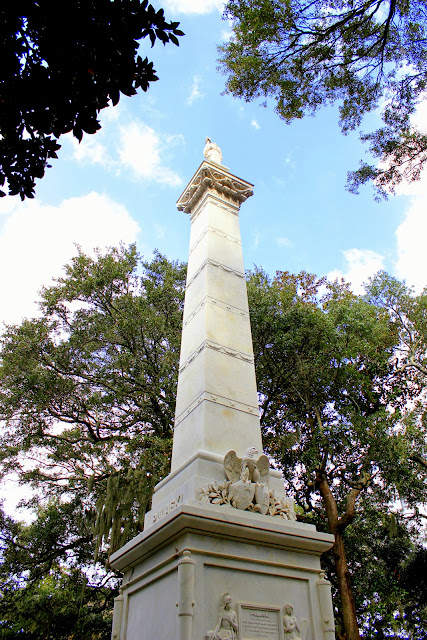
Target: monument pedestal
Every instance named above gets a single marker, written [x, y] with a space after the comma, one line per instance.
[176, 573]
[187, 483]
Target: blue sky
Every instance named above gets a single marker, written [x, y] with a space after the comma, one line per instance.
[122, 183]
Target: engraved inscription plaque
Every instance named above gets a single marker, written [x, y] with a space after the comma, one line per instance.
[259, 623]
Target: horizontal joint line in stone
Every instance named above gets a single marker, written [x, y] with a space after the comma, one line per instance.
[216, 303]
[221, 234]
[227, 559]
[227, 206]
[209, 344]
[164, 568]
[206, 396]
[213, 263]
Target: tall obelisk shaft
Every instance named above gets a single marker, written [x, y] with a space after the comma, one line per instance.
[217, 405]
[195, 549]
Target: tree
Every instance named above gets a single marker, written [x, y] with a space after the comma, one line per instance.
[362, 54]
[382, 548]
[409, 315]
[46, 593]
[87, 398]
[326, 381]
[58, 73]
[87, 390]
[414, 581]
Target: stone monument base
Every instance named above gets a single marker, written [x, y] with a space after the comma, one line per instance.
[177, 575]
[188, 482]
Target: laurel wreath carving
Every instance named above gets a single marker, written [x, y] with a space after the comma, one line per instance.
[218, 493]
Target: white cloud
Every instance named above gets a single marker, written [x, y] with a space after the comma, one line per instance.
[160, 231]
[283, 242]
[411, 263]
[419, 118]
[411, 234]
[360, 265]
[195, 93]
[37, 240]
[8, 204]
[255, 124]
[193, 6]
[90, 151]
[13, 493]
[134, 146]
[226, 35]
[255, 239]
[141, 150]
[289, 162]
[111, 114]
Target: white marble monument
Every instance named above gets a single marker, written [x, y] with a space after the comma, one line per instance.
[222, 556]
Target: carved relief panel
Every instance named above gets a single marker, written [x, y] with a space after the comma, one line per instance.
[256, 622]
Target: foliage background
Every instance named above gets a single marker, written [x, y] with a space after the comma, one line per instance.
[87, 394]
[122, 183]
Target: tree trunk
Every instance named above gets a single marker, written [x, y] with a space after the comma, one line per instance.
[344, 587]
[337, 526]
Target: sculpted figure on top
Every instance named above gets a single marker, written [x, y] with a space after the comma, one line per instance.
[212, 151]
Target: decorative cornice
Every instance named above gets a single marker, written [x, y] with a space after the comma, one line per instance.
[210, 344]
[216, 399]
[212, 177]
[218, 233]
[219, 265]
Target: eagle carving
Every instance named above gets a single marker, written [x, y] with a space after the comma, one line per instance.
[247, 468]
[249, 480]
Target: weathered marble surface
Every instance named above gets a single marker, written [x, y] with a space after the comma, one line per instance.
[197, 547]
[198, 553]
[217, 403]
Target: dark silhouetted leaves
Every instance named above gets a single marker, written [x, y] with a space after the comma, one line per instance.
[58, 72]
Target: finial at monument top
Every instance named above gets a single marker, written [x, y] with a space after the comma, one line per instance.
[212, 151]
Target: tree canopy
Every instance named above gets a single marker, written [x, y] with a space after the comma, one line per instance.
[327, 382]
[88, 389]
[87, 397]
[364, 55]
[59, 71]
[47, 591]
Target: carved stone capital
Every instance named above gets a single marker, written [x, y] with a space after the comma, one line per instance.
[210, 178]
